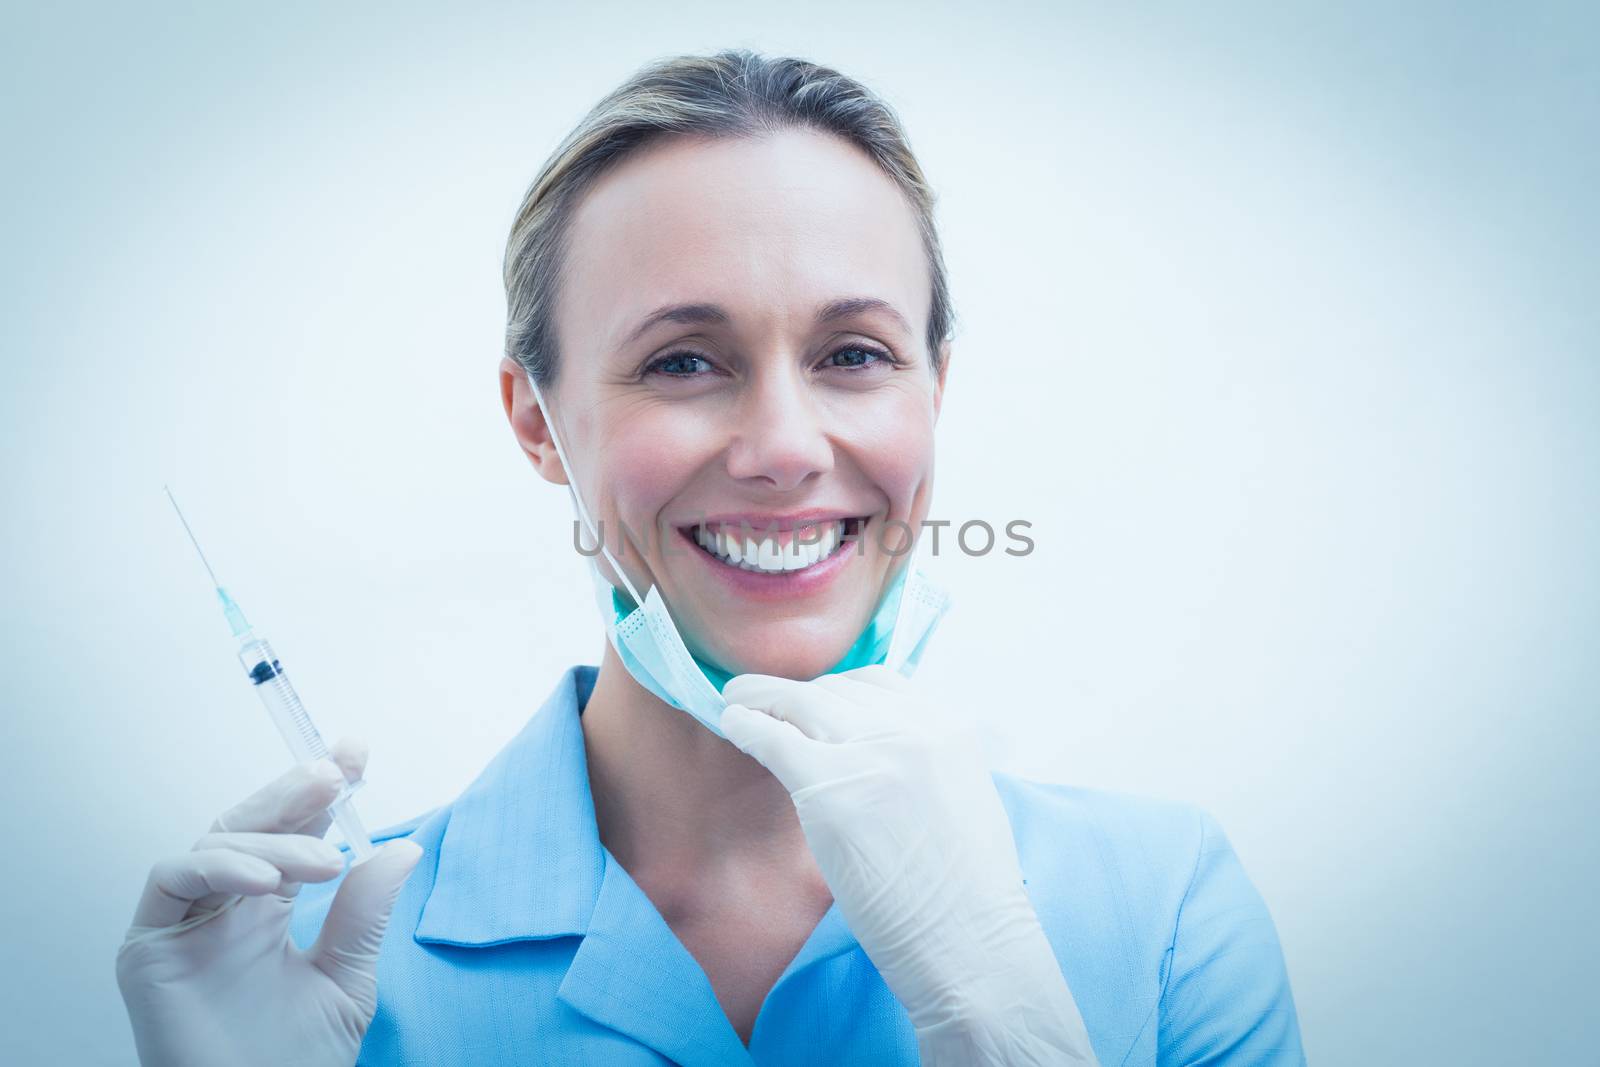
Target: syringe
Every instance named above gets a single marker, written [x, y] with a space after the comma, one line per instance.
[266, 673]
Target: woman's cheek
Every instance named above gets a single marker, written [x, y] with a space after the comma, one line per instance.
[648, 466]
[896, 454]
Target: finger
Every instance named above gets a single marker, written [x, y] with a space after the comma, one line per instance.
[287, 803]
[300, 857]
[347, 948]
[876, 707]
[176, 883]
[889, 700]
[881, 676]
[854, 690]
[350, 755]
[780, 747]
[818, 713]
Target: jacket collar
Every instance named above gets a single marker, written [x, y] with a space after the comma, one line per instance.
[521, 856]
[521, 859]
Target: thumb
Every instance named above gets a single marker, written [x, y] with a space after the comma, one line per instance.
[347, 948]
[778, 746]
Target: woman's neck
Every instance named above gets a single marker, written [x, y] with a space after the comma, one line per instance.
[679, 807]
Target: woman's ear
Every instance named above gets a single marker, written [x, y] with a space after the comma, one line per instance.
[938, 388]
[528, 422]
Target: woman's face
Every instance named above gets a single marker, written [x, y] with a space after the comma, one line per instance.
[788, 397]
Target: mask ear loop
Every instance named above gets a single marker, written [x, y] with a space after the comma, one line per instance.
[572, 488]
[897, 636]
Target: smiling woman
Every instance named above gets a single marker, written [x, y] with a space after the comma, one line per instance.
[728, 326]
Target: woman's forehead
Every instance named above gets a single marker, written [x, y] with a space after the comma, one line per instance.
[769, 228]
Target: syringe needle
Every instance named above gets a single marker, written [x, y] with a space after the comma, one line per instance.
[192, 539]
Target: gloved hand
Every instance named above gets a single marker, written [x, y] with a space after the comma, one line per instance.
[908, 830]
[208, 971]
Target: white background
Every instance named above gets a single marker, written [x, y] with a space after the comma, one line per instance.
[1279, 325]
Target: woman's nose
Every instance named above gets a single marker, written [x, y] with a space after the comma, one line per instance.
[780, 439]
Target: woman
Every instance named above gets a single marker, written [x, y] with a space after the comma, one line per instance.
[727, 334]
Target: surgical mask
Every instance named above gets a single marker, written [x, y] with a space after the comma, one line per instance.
[652, 649]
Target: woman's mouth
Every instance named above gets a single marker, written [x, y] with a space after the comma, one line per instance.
[768, 551]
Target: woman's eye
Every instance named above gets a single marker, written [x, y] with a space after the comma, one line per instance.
[681, 365]
[853, 356]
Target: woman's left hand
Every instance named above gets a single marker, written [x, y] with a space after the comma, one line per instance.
[908, 830]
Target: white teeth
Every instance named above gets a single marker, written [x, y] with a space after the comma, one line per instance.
[806, 548]
[769, 557]
[792, 555]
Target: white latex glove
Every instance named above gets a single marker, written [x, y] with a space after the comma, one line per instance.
[208, 971]
[908, 830]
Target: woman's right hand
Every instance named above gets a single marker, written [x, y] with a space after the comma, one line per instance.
[208, 971]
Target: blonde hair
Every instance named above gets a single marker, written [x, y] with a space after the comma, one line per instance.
[734, 93]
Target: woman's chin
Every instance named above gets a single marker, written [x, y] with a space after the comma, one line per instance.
[798, 664]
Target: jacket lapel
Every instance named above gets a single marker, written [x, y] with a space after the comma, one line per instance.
[632, 974]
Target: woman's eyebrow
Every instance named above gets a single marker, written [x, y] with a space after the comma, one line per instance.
[700, 314]
[854, 305]
[681, 313]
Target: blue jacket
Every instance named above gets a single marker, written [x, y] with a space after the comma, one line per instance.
[519, 939]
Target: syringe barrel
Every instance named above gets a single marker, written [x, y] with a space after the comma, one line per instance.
[351, 826]
[283, 703]
[299, 733]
